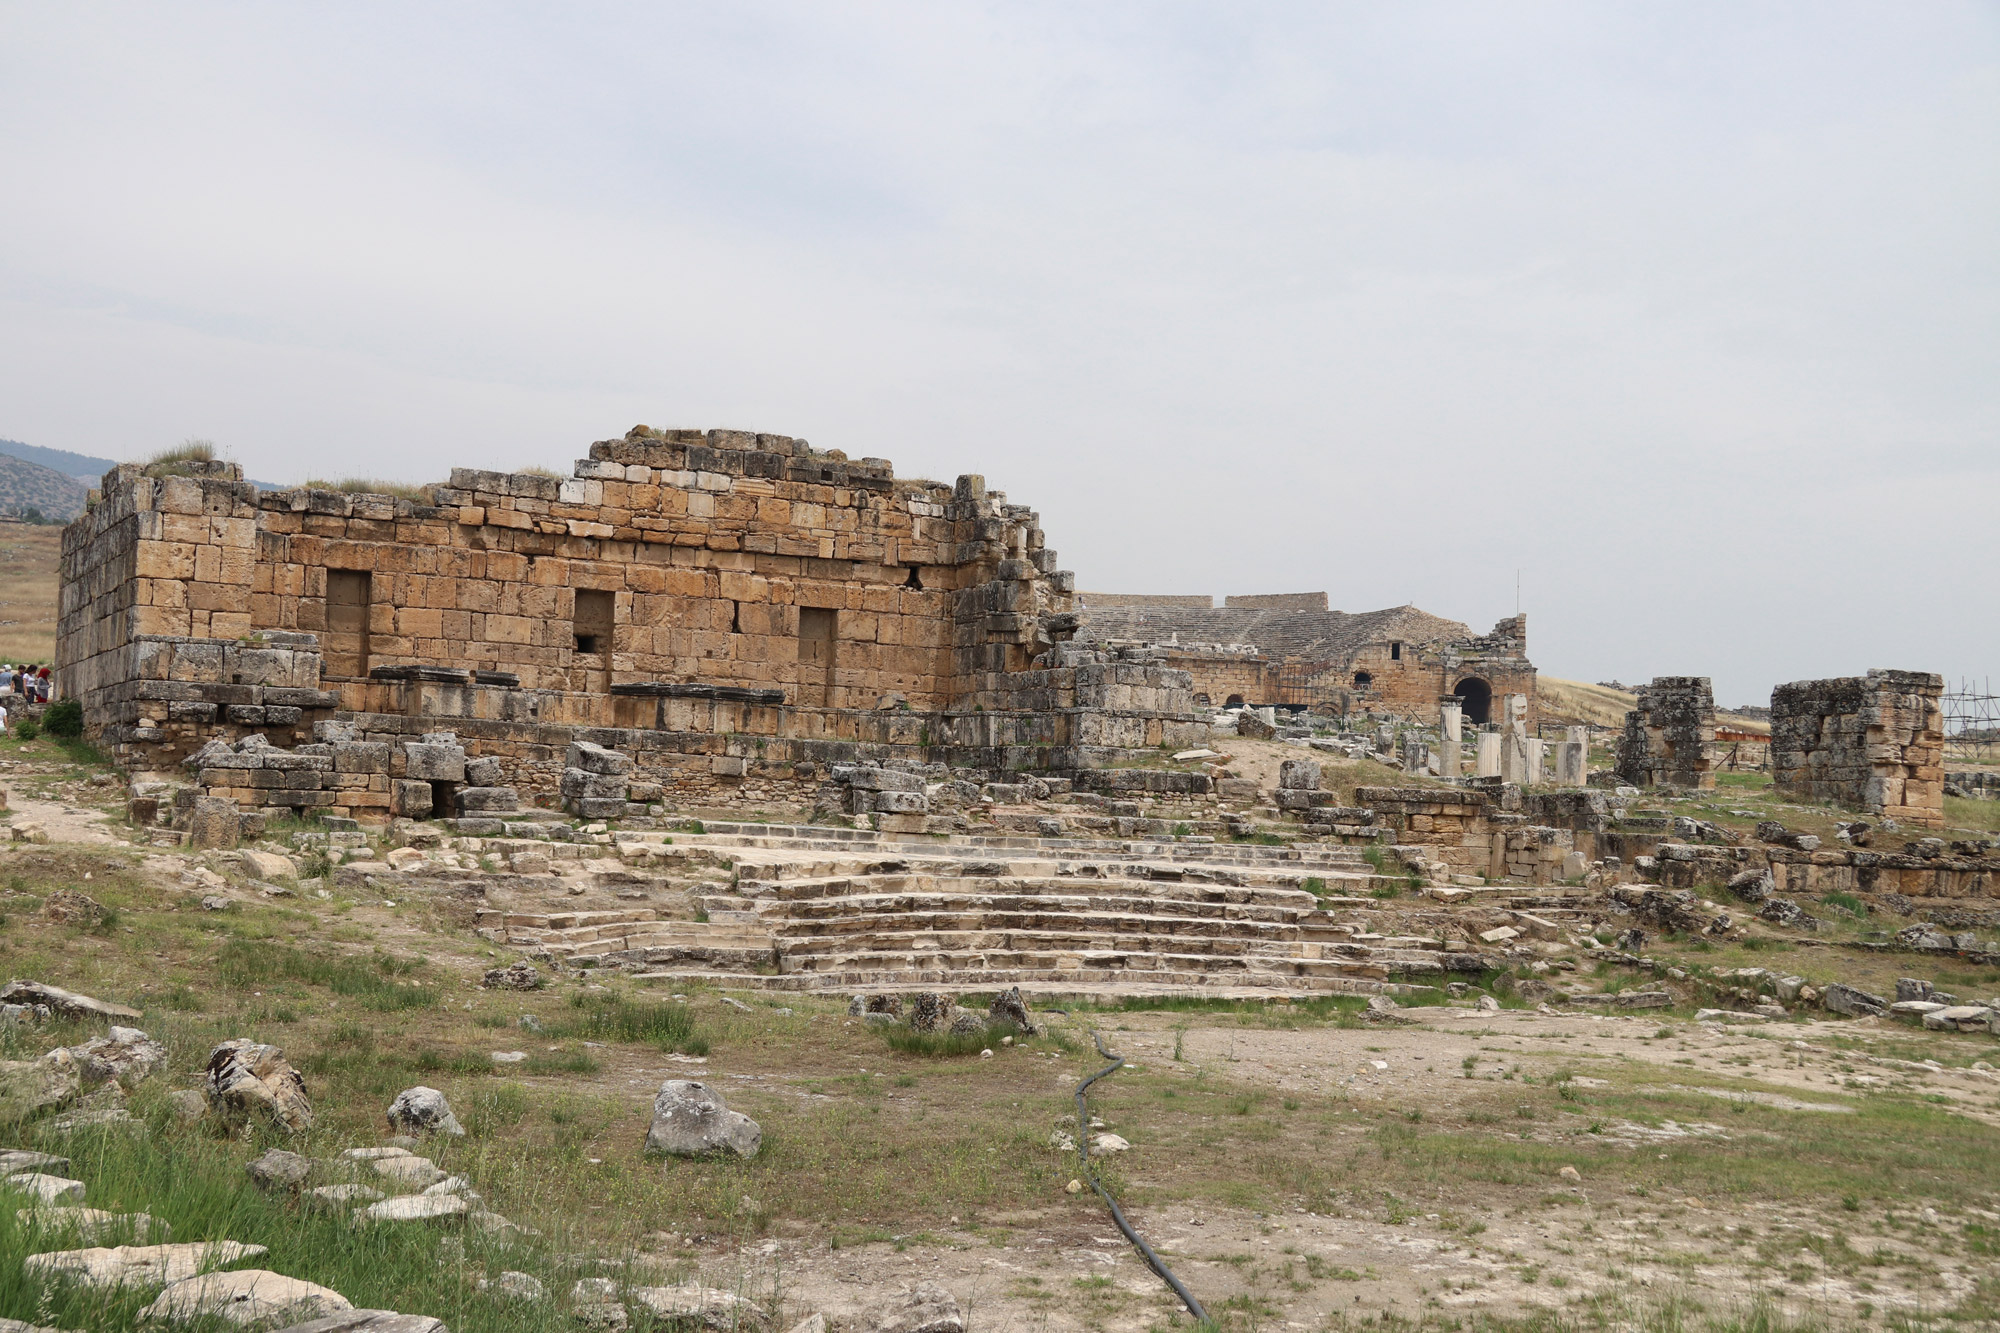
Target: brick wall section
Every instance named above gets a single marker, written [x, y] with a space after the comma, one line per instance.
[1669, 739]
[1873, 743]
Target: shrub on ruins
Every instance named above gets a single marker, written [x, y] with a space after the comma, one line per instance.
[64, 718]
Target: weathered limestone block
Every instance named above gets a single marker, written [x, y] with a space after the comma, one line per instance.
[214, 823]
[410, 799]
[360, 757]
[248, 1298]
[691, 1119]
[420, 1111]
[246, 1079]
[485, 772]
[488, 800]
[592, 758]
[433, 763]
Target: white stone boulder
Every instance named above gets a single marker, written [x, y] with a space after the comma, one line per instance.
[90, 1224]
[46, 1188]
[370, 1321]
[250, 1298]
[690, 1120]
[422, 1111]
[417, 1208]
[138, 1265]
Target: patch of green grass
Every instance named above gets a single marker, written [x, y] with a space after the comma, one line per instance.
[668, 1025]
[379, 982]
[943, 1045]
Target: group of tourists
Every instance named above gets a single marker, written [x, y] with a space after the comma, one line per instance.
[21, 685]
[29, 682]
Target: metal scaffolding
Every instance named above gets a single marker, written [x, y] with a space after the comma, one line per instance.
[1971, 723]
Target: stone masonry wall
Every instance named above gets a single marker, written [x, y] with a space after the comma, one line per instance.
[1669, 739]
[1873, 743]
[680, 582]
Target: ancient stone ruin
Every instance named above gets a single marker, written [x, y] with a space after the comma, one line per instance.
[1289, 650]
[1669, 739]
[735, 612]
[1873, 743]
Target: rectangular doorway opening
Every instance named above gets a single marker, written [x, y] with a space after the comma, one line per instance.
[818, 626]
[592, 626]
[348, 595]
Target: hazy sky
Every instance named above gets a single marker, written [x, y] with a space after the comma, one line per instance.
[1689, 312]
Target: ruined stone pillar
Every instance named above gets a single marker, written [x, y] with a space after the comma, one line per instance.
[1536, 754]
[1488, 761]
[1416, 758]
[1572, 758]
[1451, 719]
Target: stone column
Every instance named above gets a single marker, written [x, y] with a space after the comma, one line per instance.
[1415, 758]
[1537, 755]
[1451, 717]
[1487, 764]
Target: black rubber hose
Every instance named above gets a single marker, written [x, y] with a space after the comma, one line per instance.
[1153, 1260]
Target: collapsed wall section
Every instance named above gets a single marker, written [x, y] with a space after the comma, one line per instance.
[1669, 739]
[1873, 743]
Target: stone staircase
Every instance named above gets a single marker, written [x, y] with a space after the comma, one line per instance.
[836, 910]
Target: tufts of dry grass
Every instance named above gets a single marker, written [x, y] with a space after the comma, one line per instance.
[375, 486]
[169, 462]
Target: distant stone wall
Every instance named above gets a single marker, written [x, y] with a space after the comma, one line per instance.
[1110, 599]
[1278, 601]
[1873, 743]
[1669, 738]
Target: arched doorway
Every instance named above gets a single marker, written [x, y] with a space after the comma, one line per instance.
[1362, 680]
[1475, 697]
[1235, 701]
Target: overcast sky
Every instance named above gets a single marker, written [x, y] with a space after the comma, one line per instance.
[1690, 313]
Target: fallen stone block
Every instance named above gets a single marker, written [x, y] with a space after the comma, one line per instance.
[250, 1298]
[138, 1265]
[690, 1119]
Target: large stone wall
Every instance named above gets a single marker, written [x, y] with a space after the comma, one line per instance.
[721, 588]
[1669, 739]
[1873, 743]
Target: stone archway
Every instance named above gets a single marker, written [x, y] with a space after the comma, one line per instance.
[1475, 698]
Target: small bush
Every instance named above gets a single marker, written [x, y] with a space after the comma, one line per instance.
[64, 718]
[26, 730]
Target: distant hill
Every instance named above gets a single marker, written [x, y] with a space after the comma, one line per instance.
[81, 466]
[24, 486]
[85, 468]
[1572, 701]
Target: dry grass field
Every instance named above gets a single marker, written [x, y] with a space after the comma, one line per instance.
[1513, 1171]
[28, 558]
[1600, 706]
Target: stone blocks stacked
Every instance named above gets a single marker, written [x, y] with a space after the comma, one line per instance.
[340, 775]
[1873, 743]
[596, 782]
[1669, 739]
[897, 799]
